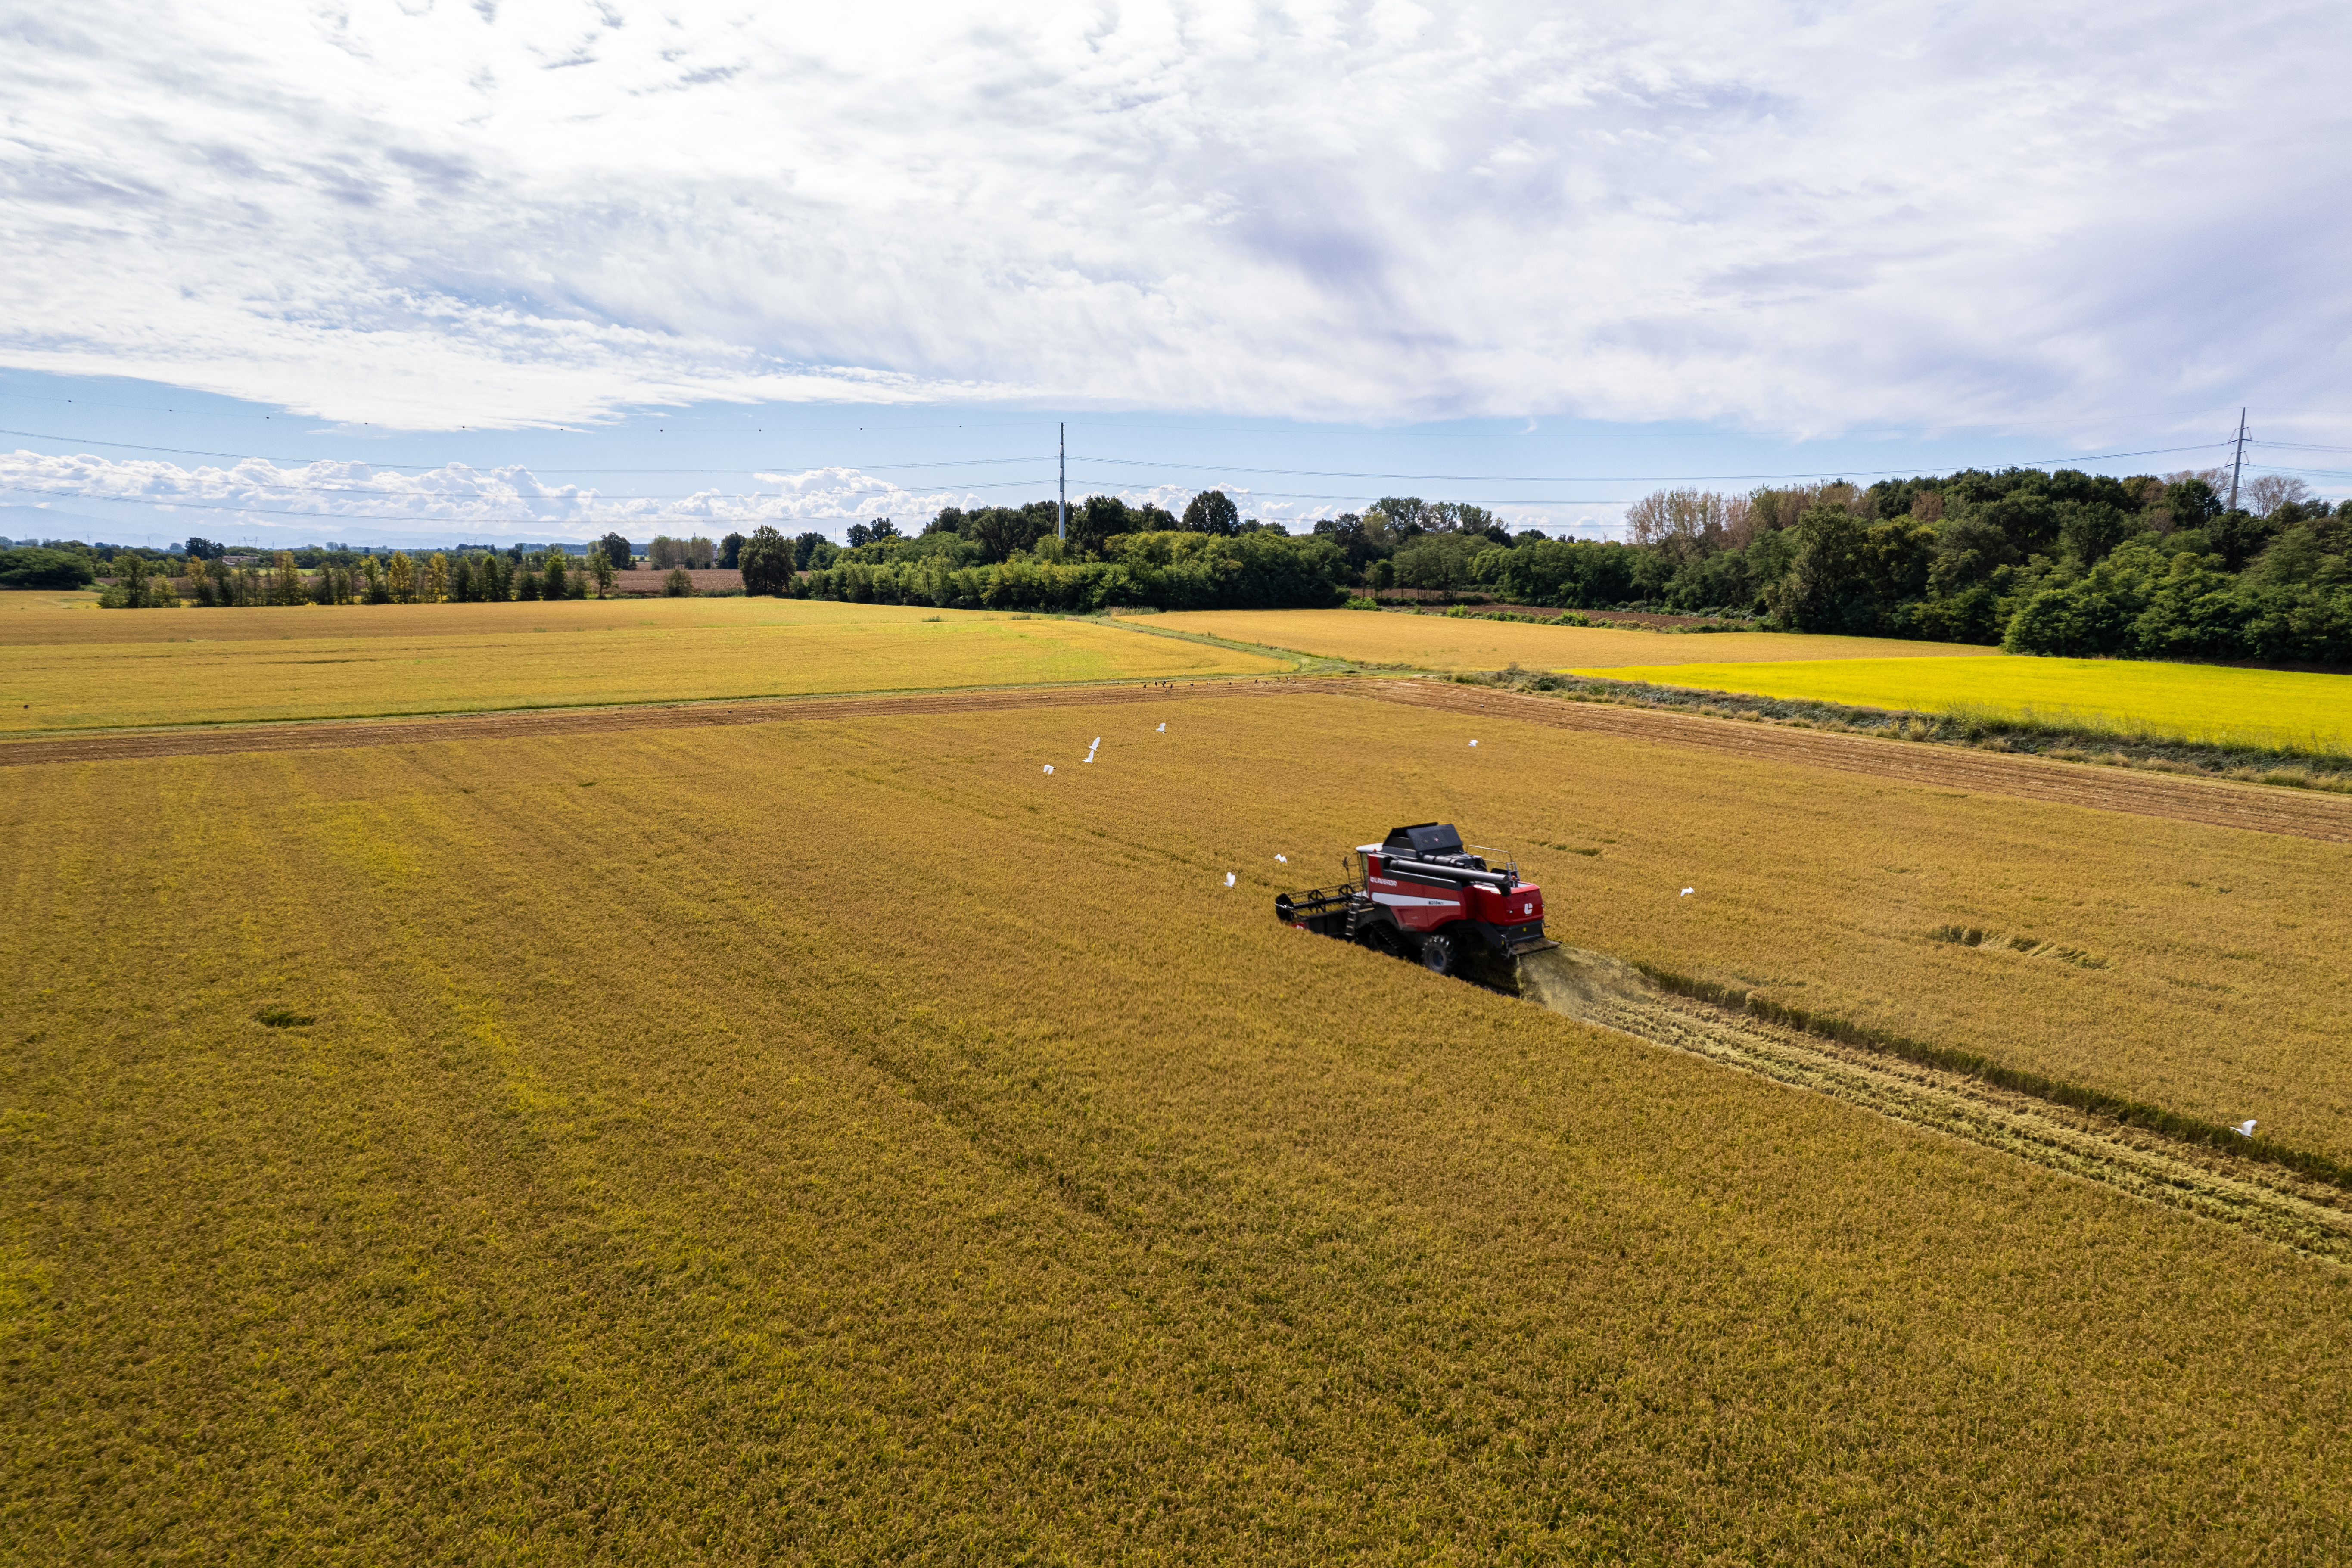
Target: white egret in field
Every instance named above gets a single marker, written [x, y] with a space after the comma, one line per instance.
[1049, 767]
[1686, 892]
[1284, 858]
[1229, 879]
[2244, 1129]
[1163, 727]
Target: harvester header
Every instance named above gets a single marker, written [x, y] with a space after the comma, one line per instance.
[1421, 893]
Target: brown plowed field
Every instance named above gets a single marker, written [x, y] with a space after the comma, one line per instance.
[2254, 807]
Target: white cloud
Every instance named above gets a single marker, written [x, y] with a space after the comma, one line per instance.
[355, 500]
[2080, 221]
[257, 498]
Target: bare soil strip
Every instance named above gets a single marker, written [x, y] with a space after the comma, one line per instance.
[337, 734]
[2258, 808]
[2308, 1217]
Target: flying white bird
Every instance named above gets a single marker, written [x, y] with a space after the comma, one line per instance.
[1093, 749]
[1163, 727]
[2244, 1129]
[1474, 743]
[1284, 858]
[1686, 892]
[1229, 879]
[1049, 767]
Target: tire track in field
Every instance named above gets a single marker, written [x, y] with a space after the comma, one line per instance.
[2273, 1204]
[2259, 808]
[339, 734]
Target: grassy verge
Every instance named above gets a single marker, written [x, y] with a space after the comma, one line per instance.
[2074, 738]
[1301, 663]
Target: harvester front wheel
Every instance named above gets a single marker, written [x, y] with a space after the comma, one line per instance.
[1437, 954]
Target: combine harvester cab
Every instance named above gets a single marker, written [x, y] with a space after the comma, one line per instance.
[1420, 893]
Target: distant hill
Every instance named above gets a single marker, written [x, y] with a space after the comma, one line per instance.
[46, 522]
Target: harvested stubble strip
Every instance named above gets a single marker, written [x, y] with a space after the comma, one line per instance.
[2300, 1210]
[2033, 1085]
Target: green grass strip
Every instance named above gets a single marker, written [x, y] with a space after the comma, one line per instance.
[2057, 1092]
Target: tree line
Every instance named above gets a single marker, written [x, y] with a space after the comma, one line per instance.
[2035, 561]
[1022, 557]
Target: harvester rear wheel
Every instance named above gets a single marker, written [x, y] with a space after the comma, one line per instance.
[1437, 954]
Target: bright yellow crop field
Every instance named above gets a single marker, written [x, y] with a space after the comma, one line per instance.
[314, 662]
[2182, 702]
[940, 1163]
[1442, 642]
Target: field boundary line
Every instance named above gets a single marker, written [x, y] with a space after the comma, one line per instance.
[521, 723]
[2219, 803]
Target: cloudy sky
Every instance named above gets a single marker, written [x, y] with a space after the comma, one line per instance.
[1458, 244]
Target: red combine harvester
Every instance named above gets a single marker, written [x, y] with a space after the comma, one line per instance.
[1420, 894]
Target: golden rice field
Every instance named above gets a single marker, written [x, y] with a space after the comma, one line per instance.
[940, 1163]
[1442, 642]
[69, 670]
[2201, 702]
[42, 615]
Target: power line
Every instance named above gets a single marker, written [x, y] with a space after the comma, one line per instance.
[1142, 462]
[363, 462]
[515, 499]
[553, 429]
[1609, 479]
[607, 520]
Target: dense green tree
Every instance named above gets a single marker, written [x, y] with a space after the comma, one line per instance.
[1439, 560]
[766, 561]
[1825, 582]
[1099, 519]
[618, 550]
[29, 566]
[2090, 530]
[1212, 512]
[286, 583]
[138, 585]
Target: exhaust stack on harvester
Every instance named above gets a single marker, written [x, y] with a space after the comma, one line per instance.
[1418, 893]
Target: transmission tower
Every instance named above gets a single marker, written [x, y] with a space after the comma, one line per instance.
[2239, 461]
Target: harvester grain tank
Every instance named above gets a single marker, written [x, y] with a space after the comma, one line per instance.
[1420, 893]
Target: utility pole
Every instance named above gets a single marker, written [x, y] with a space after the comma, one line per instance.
[2239, 461]
[1062, 488]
